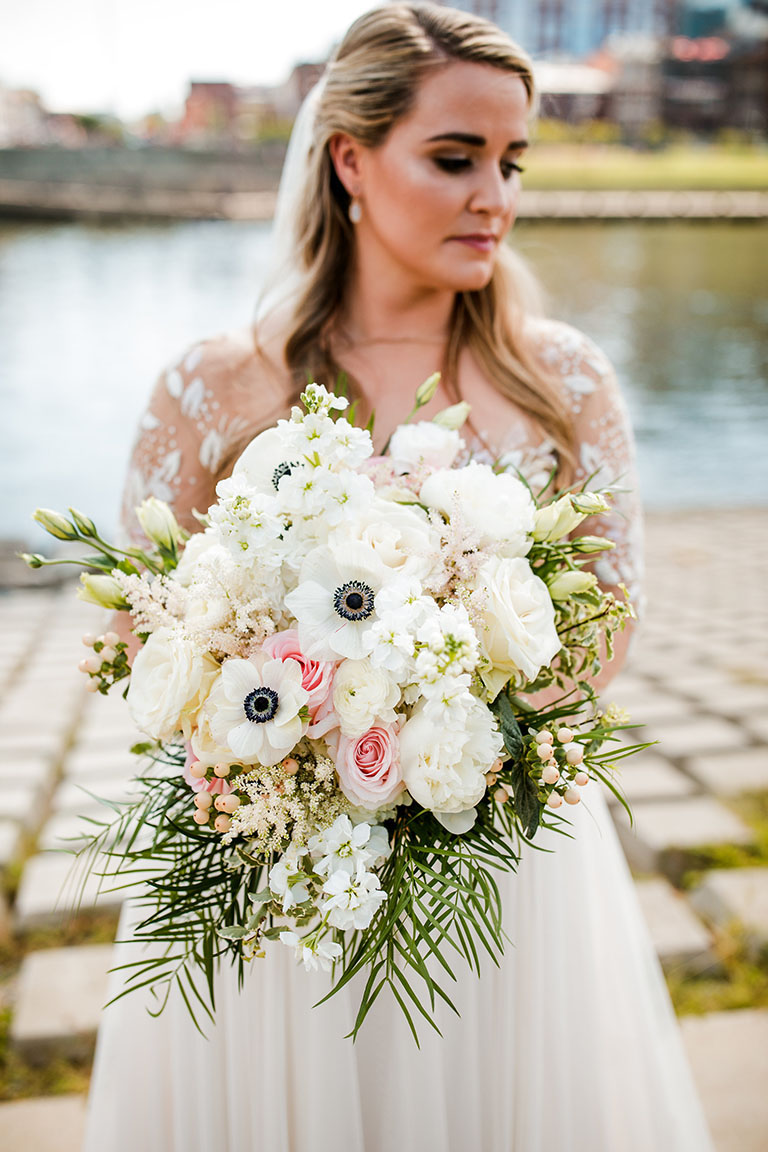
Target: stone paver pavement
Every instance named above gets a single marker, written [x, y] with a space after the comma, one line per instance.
[697, 679]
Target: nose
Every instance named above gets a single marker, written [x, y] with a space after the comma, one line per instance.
[492, 195]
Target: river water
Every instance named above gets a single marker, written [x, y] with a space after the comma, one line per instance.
[89, 314]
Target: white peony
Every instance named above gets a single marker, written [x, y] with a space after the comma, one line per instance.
[424, 444]
[169, 682]
[518, 633]
[362, 694]
[444, 768]
[499, 507]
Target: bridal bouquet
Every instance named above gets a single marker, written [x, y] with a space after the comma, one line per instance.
[338, 682]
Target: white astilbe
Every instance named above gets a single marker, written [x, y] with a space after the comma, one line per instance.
[156, 602]
[282, 808]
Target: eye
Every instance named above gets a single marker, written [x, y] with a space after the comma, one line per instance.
[508, 167]
[452, 163]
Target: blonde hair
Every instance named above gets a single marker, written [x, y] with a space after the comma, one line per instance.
[370, 84]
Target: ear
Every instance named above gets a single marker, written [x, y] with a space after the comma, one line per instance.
[346, 155]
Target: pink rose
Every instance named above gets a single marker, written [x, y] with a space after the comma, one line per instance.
[368, 767]
[316, 675]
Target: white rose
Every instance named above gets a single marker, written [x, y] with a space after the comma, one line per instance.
[169, 682]
[444, 769]
[518, 618]
[362, 694]
[400, 536]
[498, 506]
[423, 443]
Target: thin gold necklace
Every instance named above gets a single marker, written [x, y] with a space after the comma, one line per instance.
[365, 341]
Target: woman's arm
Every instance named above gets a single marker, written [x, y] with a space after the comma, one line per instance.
[605, 457]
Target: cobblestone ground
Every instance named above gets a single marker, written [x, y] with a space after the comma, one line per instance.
[698, 678]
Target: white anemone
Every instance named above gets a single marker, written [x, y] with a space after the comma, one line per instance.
[255, 708]
[267, 459]
[335, 601]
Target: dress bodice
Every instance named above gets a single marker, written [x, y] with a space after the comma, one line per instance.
[205, 402]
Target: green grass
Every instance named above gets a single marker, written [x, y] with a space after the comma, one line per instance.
[19, 1079]
[571, 166]
[739, 981]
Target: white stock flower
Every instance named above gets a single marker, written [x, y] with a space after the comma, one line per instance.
[518, 633]
[324, 496]
[423, 444]
[335, 444]
[362, 694]
[498, 506]
[345, 846]
[444, 768]
[255, 708]
[353, 898]
[335, 601]
[169, 682]
[248, 522]
[288, 881]
[401, 609]
[312, 952]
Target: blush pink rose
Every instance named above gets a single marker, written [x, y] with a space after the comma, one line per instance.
[316, 675]
[368, 767]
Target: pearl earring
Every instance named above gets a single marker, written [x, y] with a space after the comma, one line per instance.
[355, 211]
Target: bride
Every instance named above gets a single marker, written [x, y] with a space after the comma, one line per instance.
[402, 183]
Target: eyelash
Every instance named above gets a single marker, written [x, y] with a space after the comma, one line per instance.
[456, 164]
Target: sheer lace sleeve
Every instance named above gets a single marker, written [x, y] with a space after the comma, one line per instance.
[199, 408]
[605, 447]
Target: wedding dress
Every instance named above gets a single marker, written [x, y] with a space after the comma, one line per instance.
[569, 1045]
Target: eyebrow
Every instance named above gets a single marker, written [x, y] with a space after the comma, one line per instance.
[473, 141]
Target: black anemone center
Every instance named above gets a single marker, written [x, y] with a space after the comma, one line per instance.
[283, 469]
[354, 600]
[260, 705]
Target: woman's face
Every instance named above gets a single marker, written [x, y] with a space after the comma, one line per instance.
[441, 192]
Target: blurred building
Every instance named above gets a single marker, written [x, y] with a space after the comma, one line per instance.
[575, 28]
[23, 119]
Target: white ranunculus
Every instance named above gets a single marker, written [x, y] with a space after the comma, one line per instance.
[169, 682]
[518, 633]
[362, 694]
[444, 768]
[423, 443]
[498, 506]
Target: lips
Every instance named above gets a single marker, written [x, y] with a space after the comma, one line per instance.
[480, 241]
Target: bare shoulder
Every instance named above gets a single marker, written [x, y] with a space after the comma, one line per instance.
[581, 366]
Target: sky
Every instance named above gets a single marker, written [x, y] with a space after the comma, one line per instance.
[134, 56]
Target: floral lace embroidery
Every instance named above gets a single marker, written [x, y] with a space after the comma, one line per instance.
[194, 415]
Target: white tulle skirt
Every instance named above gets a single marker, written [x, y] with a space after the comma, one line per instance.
[570, 1045]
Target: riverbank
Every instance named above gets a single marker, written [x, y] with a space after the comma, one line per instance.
[562, 182]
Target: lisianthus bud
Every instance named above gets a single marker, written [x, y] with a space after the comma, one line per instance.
[55, 524]
[34, 560]
[556, 520]
[568, 584]
[426, 391]
[82, 523]
[590, 503]
[102, 590]
[592, 544]
[454, 417]
[158, 523]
